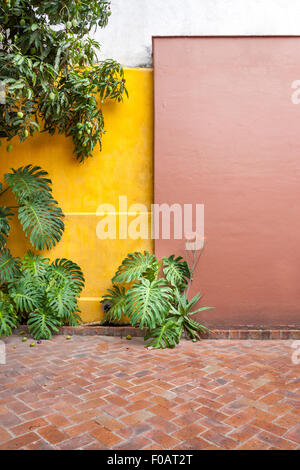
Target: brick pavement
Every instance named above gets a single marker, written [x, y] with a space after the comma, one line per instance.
[106, 392]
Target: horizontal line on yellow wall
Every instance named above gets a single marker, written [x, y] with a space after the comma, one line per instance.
[107, 213]
[144, 69]
[90, 299]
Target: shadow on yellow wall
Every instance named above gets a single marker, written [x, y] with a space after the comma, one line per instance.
[124, 167]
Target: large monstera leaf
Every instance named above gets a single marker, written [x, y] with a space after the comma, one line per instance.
[148, 303]
[117, 298]
[164, 336]
[35, 265]
[5, 215]
[177, 271]
[134, 266]
[38, 212]
[72, 318]
[42, 323]
[8, 317]
[27, 293]
[41, 219]
[26, 181]
[9, 266]
[66, 280]
[66, 272]
[46, 293]
[61, 299]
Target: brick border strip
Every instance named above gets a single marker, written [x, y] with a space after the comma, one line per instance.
[253, 334]
[123, 331]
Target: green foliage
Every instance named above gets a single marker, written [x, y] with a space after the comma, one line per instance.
[152, 302]
[9, 266]
[26, 293]
[117, 299]
[167, 335]
[25, 182]
[47, 293]
[38, 212]
[5, 215]
[182, 312]
[135, 266]
[41, 324]
[176, 271]
[35, 265]
[61, 299]
[148, 303]
[44, 294]
[65, 272]
[51, 72]
[8, 317]
[41, 221]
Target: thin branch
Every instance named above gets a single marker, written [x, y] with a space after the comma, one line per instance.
[195, 261]
[4, 191]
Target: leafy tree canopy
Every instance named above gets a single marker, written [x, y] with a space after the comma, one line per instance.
[50, 71]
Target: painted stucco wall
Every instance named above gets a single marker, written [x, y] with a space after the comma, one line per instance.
[227, 136]
[124, 167]
[128, 36]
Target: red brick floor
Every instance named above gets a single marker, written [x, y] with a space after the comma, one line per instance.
[105, 392]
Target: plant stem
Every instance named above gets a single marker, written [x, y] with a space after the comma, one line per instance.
[4, 191]
[195, 261]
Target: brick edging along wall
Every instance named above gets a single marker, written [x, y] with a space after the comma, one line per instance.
[213, 334]
[123, 331]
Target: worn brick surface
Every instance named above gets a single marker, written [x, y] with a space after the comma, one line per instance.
[101, 392]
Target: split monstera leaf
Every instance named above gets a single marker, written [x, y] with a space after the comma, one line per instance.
[34, 290]
[154, 301]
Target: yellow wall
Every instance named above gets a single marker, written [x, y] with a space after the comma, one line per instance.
[124, 167]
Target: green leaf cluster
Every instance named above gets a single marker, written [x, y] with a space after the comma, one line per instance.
[35, 290]
[38, 212]
[151, 294]
[51, 72]
[43, 294]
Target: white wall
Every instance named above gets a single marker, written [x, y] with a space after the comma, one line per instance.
[128, 36]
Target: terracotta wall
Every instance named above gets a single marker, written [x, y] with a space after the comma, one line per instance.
[228, 135]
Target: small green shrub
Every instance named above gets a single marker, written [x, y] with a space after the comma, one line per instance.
[152, 301]
[44, 295]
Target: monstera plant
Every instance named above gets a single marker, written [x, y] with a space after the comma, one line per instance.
[34, 290]
[153, 301]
